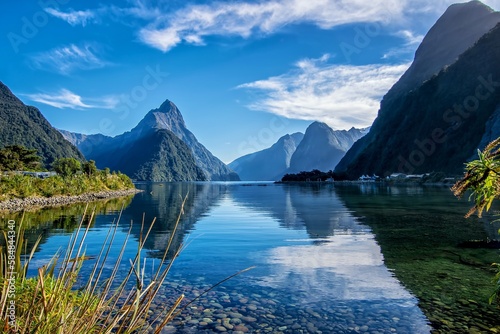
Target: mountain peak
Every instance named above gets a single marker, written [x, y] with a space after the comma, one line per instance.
[459, 28]
[168, 116]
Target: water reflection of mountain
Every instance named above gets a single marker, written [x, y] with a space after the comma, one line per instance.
[163, 201]
[299, 207]
[430, 213]
[57, 220]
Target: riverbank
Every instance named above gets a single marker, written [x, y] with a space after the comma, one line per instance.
[36, 202]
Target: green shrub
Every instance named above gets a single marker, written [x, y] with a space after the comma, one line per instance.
[22, 186]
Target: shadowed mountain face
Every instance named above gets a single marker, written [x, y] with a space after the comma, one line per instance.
[269, 164]
[24, 125]
[169, 117]
[163, 135]
[322, 148]
[437, 124]
[454, 32]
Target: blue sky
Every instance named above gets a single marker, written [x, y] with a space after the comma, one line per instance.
[243, 73]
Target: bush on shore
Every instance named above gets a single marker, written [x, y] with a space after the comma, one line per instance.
[22, 186]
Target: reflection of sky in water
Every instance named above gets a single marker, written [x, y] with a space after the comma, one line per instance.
[347, 266]
[305, 245]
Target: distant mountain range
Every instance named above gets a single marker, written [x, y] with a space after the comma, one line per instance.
[269, 164]
[445, 107]
[25, 125]
[319, 148]
[159, 148]
[322, 147]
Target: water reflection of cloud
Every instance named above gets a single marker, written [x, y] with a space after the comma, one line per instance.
[350, 266]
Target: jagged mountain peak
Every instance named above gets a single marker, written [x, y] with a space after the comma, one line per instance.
[167, 116]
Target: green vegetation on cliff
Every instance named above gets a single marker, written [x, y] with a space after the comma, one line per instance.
[159, 156]
[24, 125]
[437, 126]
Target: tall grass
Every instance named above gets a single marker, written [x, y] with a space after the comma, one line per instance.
[57, 302]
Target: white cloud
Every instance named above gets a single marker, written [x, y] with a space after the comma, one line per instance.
[67, 99]
[73, 17]
[412, 41]
[339, 95]
[194, 22]
[410, 37]
[67, 59]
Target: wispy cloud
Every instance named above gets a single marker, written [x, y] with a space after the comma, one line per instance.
[74, 17]
[411, 42]
[339, 95]
[193, 23]
[67, 59]
[65, 99]
[410, 37]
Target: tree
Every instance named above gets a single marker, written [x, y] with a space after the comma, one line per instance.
[17, 157]
[67, 166]
[89, 168]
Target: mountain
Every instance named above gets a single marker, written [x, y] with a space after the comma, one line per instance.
[25, 125]
[85, 143]
[431, 119]
[322, 147]
[169, 117]
[439, 125]
[173, 158]
[453, 33]
[269, 164]
[159, 156]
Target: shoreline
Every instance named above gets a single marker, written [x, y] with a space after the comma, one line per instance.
[35, 203]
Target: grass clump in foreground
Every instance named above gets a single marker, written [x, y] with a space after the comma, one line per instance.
[57, 302]
[22, 186]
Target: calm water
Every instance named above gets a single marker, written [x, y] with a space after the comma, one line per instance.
[319, 267]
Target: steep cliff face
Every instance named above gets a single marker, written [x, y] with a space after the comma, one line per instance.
[269, 164]
[25, 125]
[439, 125]
[160, 156]
[458, 29]
[419, 102]
[169, 117]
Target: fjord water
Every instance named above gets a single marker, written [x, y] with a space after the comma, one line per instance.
[319, 266]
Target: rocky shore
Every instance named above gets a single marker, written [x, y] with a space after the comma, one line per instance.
[33, 203]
